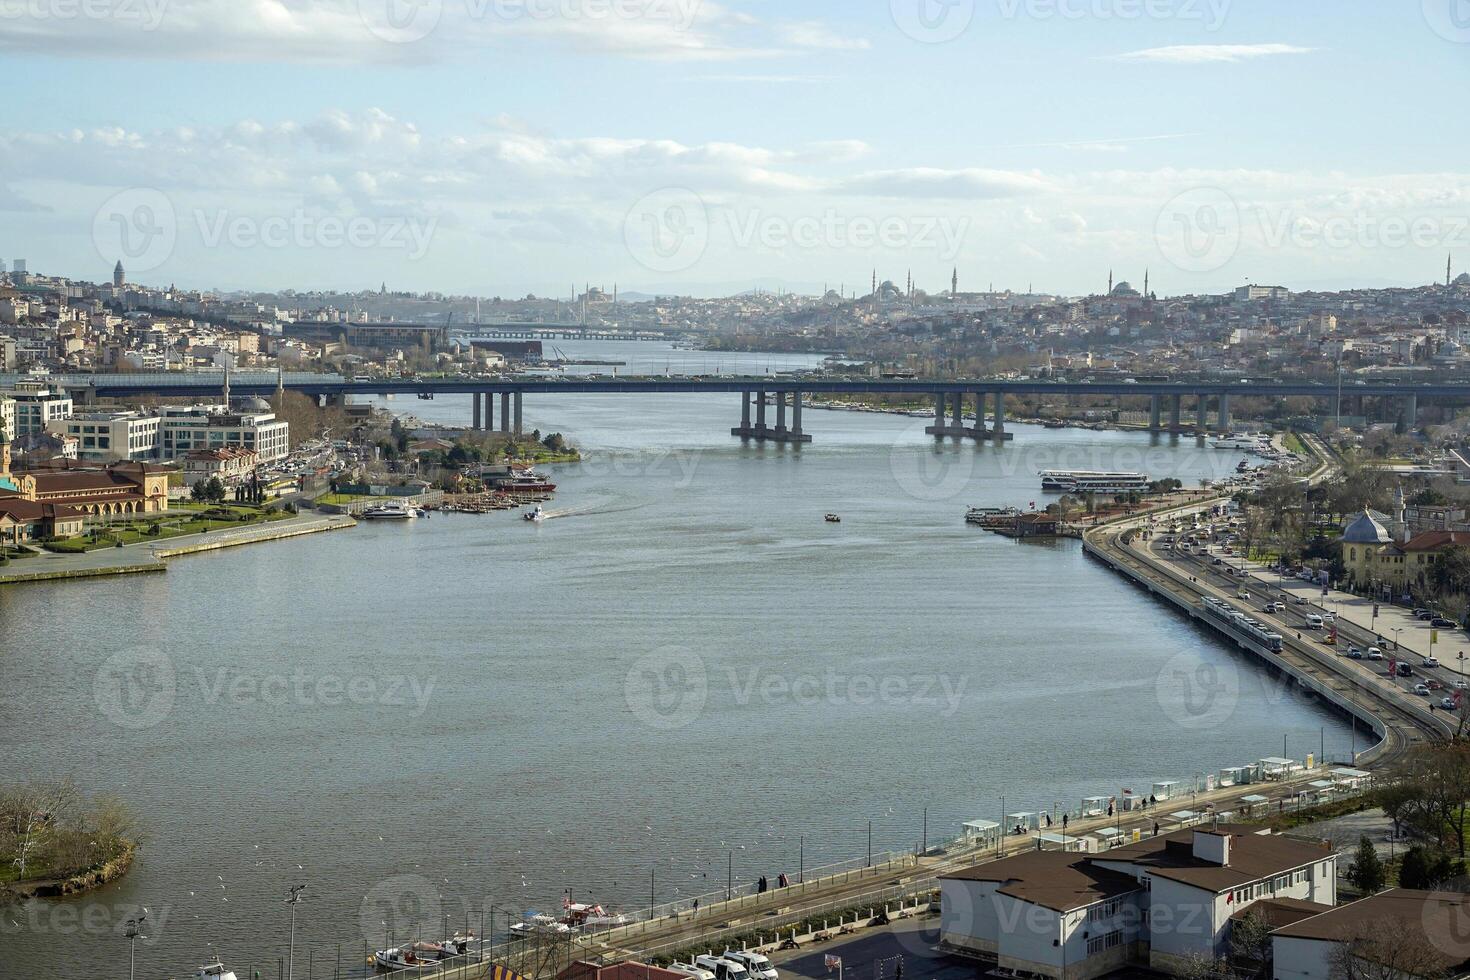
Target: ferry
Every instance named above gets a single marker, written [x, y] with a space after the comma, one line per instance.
[391, 511]
[1092, 481]
[1240, 625]
[523, 479]
[1243, 440]
[987, 515]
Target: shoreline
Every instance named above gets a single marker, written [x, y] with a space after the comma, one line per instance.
[107, 562]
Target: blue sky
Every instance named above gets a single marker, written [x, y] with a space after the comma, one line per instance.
[514, 146]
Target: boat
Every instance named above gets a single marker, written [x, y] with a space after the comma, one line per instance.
[399, 958]
[1092, 481]
[391, 511]
[832, 519]
[535, 516]
[986, 516]
[214, 971]
[424, 949]
[518, 478]
[540, 923]
[1243, 440]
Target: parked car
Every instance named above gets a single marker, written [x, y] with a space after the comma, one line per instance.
[1421, 613]
[1440, 623]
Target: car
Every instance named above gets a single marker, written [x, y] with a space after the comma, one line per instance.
[1447, 704]
[1329, 618]
[1430, 662]
[1374, 653]
[1420, 612]
[1275, 607]
[1299, 600]
[1243, 594]
[1462, 685]
[1404, 670]
[1440, 623]
[1354, 653]
[1434, 685]
[1422, 690]
[1218, 561]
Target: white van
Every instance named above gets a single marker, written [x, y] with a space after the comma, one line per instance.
[722, 968]
[1314, 622]
[759, 966]
[691, 971]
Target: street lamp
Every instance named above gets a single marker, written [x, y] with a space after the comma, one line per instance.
[131, 930]
[292, 901]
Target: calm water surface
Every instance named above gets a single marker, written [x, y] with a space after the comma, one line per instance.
[685, 663]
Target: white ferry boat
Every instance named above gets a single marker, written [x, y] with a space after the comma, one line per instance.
[1243, 440]
[1092, 481]
[390, 511]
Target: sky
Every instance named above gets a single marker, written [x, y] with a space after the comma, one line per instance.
[507, 147]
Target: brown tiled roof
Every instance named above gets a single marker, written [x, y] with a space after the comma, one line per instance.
[1058, 880]
[626, 970]
[1253, 856]
[1440, 920]
[1435, 540]
[21, 510]
[1279, 912]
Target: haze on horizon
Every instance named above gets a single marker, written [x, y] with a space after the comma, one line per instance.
[512, 146]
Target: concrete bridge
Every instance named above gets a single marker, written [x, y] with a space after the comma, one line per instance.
[1196, 406]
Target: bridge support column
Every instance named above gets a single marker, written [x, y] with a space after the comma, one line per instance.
[517, 429]
[505, 411]
[1408, 415]
[475, 422]
[979, 432]
[998, 431]
[937, 429]
[1201, 414]
[1155, 413]
[743, 430]
[1175, 412]
[760, 414]
[1225, 423]
[489, 411]
[781, 415]
[959, 410]
[942, 425]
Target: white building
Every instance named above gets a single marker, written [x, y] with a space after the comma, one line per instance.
[7, 417]
[1159, 902]
[37, 404]
[231, 465]
[1406, 933]
[107, 436]
[187, 428]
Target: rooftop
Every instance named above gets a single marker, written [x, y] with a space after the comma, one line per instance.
[1057, 880]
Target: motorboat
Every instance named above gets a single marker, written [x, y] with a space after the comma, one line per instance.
[391, 511]
[400, 958]
[832, 519]
[214, 971]
[540, 923]
[424, 949]
[535, 515]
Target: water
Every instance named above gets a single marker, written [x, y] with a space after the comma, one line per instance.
[685, 663]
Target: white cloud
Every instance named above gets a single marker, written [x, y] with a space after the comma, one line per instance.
[368, 31]
[1201, 54]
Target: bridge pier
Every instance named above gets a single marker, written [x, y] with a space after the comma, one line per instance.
[1201, 415]
[1225, 424]
[505, 411]
[942, 427]
[1175, 413]
[780, 432]
[1155, 413]
[1408, 415]
[998, 430]
[475, 422]
[517, 429]
[489, 412]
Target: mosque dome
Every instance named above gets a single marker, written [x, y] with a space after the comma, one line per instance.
[1366, 530]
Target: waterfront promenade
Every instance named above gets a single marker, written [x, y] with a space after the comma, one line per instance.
[152, 556]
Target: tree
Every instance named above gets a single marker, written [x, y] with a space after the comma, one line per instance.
[1366, 872]
[214, 490]
[1250, 944]
[1385, 954]
[1450, 574]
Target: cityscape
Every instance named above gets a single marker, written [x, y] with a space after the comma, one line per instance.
[665, 490]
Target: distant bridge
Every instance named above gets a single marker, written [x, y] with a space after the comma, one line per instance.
[1167, 400]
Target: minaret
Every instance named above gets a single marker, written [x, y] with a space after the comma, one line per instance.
[1145, 285]
[280, 383]
[875, 283]
[1110, 282]
[1447, 268]
[954, 283]
[227, 386]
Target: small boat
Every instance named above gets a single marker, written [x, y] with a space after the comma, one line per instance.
[424, 949]
[214, 971]
[391, 511]
[535, 516]
[399, 958]
[832, 519]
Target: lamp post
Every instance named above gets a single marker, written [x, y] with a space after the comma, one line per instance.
[131, 929]
[292, 900]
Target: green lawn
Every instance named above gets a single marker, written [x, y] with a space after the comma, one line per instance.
[181, 519]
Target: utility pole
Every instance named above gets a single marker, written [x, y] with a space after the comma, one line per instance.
[131, 930]
[292, 900]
